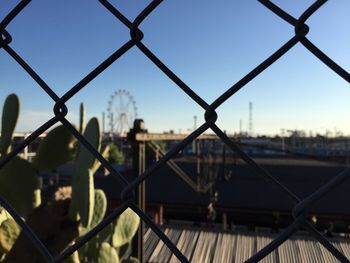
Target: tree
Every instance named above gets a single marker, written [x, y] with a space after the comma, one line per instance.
[115, 155]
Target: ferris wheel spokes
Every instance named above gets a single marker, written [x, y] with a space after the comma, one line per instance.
[122, 111]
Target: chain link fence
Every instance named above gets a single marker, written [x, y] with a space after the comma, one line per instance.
[136, 35]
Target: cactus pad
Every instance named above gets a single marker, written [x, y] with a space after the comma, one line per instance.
[90, 249]
[9, 232]
[52, 225]
[93, 136]
[125, 228]
[18, 182]
[107, 254]
[106, 233]
[4, 215]
[100, 208]
[55, 149]
[82, 197]
[131, 260]
[82, 181]
[73, 258]
[9, 119]
[97, 164]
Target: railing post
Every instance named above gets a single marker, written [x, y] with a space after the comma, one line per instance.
[198, 165]
[139, 166]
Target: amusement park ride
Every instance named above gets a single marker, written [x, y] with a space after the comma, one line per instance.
[121, 113]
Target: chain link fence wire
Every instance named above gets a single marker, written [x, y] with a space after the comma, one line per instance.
[60, 110]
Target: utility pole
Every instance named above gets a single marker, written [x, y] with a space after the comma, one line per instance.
[250, 119]
[103, 122]
[283, 143]
[240, 127]
[194, 128]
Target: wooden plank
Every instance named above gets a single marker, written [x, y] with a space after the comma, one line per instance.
[328, 257]
[261, 242]
[345, 246]
[309, 250]
[150, 242]
[289, 252]
[204, 250]
[245, 248]
[161, 252]
[156, 252]
[186, 244]
[225, 248]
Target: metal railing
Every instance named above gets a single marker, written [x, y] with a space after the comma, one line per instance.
[136, 35]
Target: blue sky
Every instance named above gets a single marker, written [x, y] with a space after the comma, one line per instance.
[209, 45]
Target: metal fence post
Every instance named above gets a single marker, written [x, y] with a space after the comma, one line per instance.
[139, 166]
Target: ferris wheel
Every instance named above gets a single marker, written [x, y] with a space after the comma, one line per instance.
[121, 112]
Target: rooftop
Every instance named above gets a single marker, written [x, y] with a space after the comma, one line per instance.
[209, 245]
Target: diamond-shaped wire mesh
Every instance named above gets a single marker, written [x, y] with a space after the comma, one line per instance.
[136, 36]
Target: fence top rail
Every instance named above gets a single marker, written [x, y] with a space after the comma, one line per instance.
[171, 137]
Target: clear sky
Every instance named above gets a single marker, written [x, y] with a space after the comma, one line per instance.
[210, 45]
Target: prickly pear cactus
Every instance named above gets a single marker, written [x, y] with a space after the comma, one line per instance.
[4, 215]
[9, 120]
[83, 198]
[89, 252]
[107, 254]
[18, 185]
[124, 251]
[97, 164]
[100, 208]
[106, 233]
[9, 232]
[55, 149]
[74, 258]
[83, 195]
[131, 260]
[37, 194]
[93, 135]
[53, 226]
[125, 228]
[91, 248]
